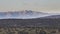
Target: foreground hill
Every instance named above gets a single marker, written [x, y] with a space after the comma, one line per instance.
[30, 22]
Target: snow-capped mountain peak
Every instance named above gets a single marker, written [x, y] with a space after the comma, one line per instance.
[27, 14]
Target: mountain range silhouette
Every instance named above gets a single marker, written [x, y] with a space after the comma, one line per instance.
[27, 14]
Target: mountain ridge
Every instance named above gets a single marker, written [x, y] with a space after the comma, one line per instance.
[27, 14]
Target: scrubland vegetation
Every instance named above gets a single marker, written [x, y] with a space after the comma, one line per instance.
[30, 26]
[29, 30]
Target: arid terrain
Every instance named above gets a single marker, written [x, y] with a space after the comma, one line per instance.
[30, 26]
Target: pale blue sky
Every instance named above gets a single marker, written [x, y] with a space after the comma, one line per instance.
[38, 5]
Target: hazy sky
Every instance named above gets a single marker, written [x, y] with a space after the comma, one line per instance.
[36, 5]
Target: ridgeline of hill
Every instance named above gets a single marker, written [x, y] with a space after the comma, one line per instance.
[38, 22]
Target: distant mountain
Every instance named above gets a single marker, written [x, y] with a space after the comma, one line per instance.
[52, 17]
[27, 14]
